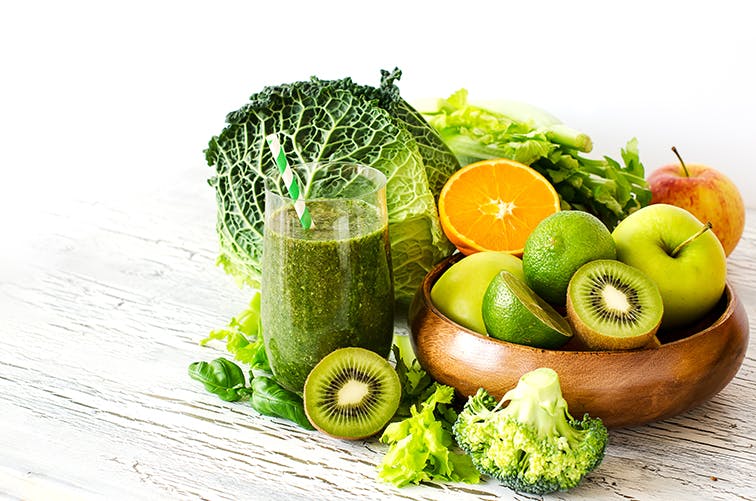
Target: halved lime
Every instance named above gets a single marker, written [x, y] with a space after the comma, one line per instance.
[513, 312]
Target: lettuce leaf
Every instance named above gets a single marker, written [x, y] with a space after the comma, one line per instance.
[243, 337]
[332, 120]
[420, 446]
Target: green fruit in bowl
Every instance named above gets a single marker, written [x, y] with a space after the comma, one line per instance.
[458, 293]
[558, 246]
[613, 306]
[513, 312]
[679, 253]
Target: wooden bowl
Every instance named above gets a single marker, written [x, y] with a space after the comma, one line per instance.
[623, 388]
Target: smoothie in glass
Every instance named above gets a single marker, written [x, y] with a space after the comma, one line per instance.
[329, 286]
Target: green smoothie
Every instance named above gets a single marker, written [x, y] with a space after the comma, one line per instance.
[320, 291]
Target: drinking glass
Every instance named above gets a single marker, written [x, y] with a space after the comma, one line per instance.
[328, 286]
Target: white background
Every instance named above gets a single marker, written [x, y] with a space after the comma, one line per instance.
[103, 98]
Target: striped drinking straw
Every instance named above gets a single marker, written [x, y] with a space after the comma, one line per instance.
[288, 177]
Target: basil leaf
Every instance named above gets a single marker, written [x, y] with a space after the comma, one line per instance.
[221, 377]
[269, 398]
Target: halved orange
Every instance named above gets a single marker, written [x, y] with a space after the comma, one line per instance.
[494, 205]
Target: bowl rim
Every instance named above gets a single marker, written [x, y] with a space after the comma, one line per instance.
[435, 273]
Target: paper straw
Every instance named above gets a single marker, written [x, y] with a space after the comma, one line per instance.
[288, 177]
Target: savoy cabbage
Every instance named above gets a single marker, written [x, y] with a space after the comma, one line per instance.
[332, 120]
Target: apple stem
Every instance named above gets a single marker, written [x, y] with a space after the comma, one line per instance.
[685, 169]
[697, 234]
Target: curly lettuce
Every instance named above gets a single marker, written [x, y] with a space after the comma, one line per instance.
[332, 120]
[421, 446]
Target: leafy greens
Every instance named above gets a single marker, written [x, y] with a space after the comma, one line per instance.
[224, 378]
[420, 446]
[221, 377]
[332, 120]
[417, 384]
[421, 443]
[603, 187]
[243, 337]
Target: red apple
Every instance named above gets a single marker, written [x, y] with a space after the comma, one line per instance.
[706, 193]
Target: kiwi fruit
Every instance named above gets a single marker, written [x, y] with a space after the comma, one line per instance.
[613, 306]
[352, 393]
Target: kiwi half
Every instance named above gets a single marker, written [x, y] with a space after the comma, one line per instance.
[351, 393]
[613, 306]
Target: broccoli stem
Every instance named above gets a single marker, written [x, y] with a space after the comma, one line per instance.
[537, 400]
[540, 385]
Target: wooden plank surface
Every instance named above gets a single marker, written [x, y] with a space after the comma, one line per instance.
[102, 306]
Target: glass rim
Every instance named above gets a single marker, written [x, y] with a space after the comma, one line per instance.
[379, 179]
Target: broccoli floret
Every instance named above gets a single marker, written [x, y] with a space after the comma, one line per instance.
[532, 444]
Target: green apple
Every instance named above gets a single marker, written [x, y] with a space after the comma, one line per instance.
[680, 254]
[458, 293]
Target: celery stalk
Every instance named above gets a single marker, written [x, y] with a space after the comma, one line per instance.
[569, 137]
[537, 118]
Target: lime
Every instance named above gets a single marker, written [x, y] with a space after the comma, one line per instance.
[558, 246]
[458, 293]
[512, 312]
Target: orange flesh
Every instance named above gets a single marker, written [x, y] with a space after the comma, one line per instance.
[496, 204]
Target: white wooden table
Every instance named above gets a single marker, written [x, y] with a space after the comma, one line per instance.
[101, 310]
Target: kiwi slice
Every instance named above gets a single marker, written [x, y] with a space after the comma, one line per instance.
[351, 393]
[613, 306]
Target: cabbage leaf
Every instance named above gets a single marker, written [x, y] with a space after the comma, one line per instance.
[319, 120]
